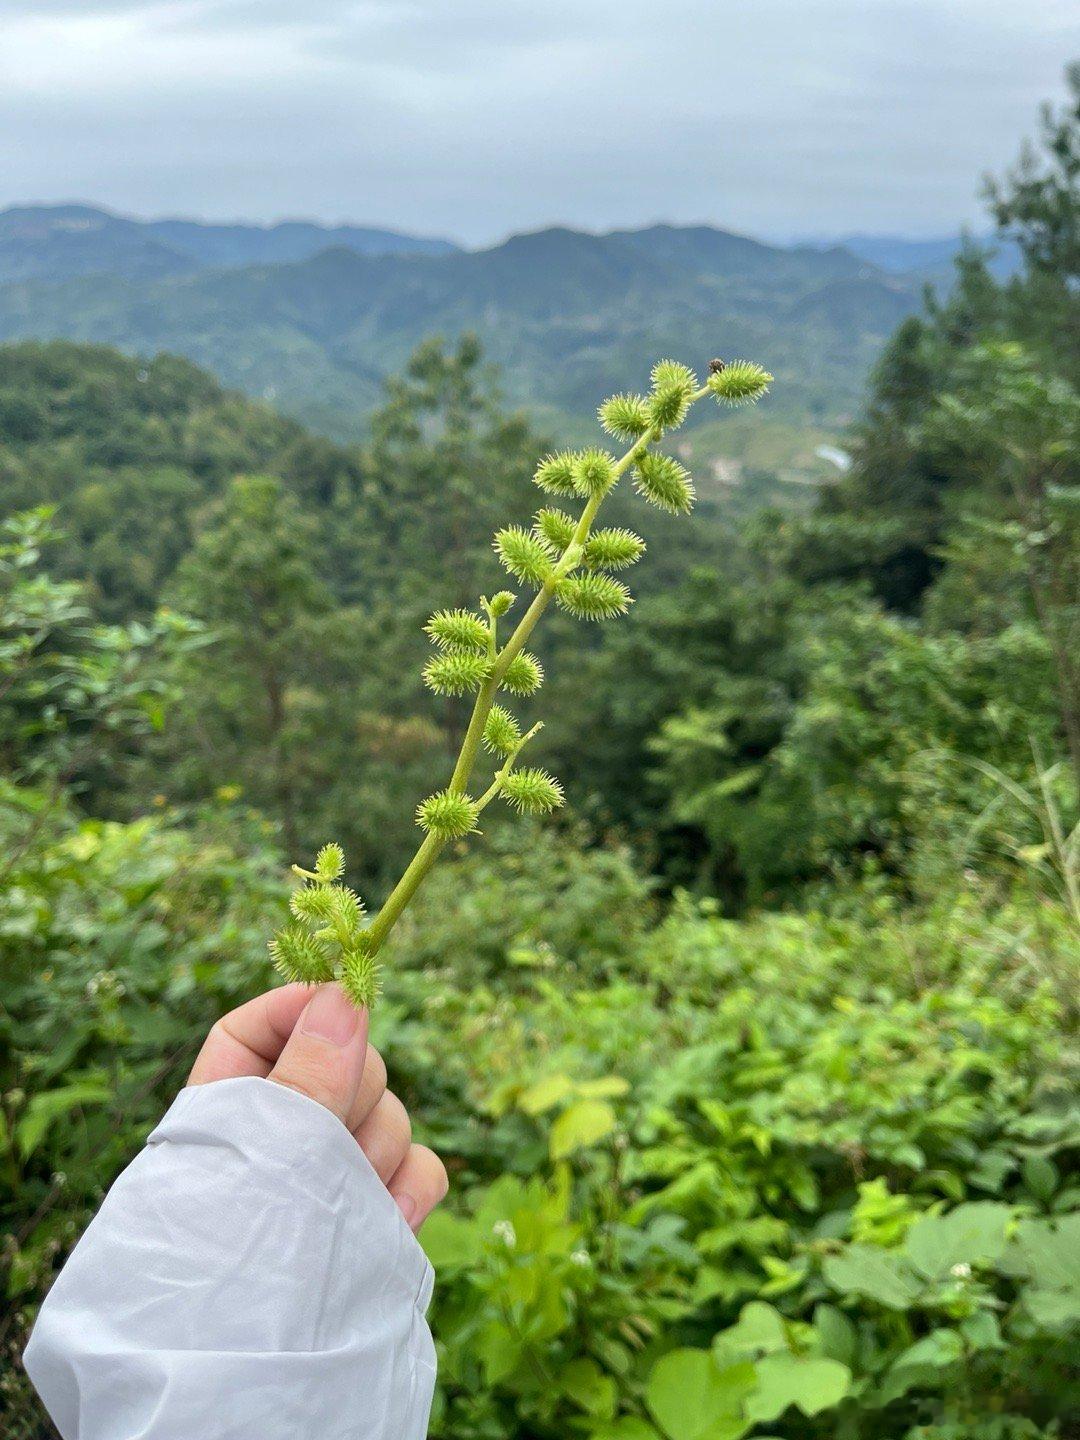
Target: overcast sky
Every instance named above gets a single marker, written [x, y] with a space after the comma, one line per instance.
[474, 118]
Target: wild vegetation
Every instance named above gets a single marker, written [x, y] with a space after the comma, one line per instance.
[756, 1067]
[567, 316]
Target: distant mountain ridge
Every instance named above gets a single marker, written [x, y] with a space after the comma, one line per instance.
[568, 315]
[60, 242]
[929, 259]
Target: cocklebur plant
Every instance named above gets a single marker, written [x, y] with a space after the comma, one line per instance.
[561, 558]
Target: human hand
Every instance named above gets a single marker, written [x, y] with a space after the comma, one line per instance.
[314, 1040]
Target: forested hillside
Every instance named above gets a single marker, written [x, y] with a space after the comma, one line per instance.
[566, 315]
[59, 242]
[755, 1071]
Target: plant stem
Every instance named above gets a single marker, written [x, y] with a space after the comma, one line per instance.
[428, 851]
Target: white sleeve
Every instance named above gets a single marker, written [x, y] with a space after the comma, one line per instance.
[248, 1277]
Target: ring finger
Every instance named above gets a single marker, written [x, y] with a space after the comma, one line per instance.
[385, 1136]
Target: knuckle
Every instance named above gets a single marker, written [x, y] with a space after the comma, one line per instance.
[306, 1080]
[398, 1119]
[439, 1177]
[374, 1073]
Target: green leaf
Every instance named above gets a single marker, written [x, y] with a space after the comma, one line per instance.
[589, 1388]
[628, 1428]
[810, 1385]
[606, 1086]
[837, 1336]
[49, 1106]
[1048, 1253]
[583, 1124]
[969, 1235]
[691, 1398]
[1041, 1177]
[545, 1094]
[499, 1351]
[449, 1242]
[940, 1348]
[878, 1274]
[760, 1331]
[919, 1365]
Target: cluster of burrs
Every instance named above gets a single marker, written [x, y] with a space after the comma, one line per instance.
[563, 558]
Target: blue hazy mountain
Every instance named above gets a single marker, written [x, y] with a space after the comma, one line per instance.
[568, 315]
[930, 259]
[59, 242]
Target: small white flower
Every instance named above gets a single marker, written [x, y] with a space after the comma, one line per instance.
[504, 1231]
[580, 1257]
[960, 1272]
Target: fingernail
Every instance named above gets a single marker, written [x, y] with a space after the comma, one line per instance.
[409, 1207]
[330, 1016]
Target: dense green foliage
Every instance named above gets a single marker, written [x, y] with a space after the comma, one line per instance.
[568, 316]
[756, 1073]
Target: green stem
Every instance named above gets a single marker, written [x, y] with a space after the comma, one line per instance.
[429, 849]
[403, 892]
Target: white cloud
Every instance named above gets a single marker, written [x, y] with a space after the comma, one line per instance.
[476, 117]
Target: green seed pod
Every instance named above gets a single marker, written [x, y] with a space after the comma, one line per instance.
[346, 909]
[556, 527]
[502, 733]
[673, 390]
[313, 904]
[456, 672]
[613, 549]
[458, 630]
[555, 473]
[593, 596]
[625, 416]
[594, 472]
[499, 604]
[330, 863]
[300, 957]
[526, 556]
[532, 792]
[447, 814]
[739, 382]
[359, 976]
[664, 482]
[523, 675]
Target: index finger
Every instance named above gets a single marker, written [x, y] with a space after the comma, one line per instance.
[249, 1039]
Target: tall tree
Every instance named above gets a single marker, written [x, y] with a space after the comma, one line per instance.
[252, 580]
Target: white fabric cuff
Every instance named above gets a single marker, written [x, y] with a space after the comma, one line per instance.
[248, 1277]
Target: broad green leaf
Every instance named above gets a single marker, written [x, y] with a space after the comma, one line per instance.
[545, 1094]
[1048, 1252]
[628, 1428]
[49, 1106]
[920, 1364]
[1041, 1177]
[809, 1384]
[691, 1398]
[583, 1124]
[498, 1350]
[878, 1274]
[940, 1348]
[837, 1337]
[760, 1331]
[587, 1385]
[606, 1087]
[969, 1235]
[981, 1331]
[449, 1242]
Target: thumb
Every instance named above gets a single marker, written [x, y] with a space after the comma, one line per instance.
[324, 1056]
